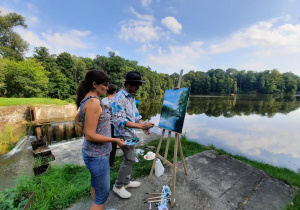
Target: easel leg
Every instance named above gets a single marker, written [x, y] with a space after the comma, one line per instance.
[157, 152]
[167, 148]
[182, 157]
[174, 169]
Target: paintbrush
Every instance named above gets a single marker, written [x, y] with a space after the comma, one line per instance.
[156, 201]
[154, 193]
[153, 198]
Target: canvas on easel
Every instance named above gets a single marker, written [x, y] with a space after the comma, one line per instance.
[172, 117]
[173, 109]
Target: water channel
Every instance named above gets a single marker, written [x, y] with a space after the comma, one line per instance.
[260, 127]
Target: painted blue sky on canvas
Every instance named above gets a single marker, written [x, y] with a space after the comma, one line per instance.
[168, 35]
[171, 97]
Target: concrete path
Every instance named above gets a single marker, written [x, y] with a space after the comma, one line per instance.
[213, 182]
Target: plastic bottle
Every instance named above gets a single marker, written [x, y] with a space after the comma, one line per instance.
[159, 168]
[142, 141]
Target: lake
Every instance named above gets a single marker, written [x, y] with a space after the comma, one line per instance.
[260, 127]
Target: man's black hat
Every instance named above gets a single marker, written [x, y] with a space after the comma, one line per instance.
[134, 76]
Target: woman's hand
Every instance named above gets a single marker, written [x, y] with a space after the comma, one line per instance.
[120, 142]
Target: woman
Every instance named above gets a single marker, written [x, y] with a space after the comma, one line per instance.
[95, 120]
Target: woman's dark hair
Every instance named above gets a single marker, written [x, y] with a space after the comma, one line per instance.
[111, 89]
[98, 76]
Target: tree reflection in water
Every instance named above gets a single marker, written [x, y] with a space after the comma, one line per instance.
[228, 106]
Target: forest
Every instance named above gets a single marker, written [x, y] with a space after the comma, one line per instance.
[56, 76]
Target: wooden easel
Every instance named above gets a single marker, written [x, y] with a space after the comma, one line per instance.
[164, 159]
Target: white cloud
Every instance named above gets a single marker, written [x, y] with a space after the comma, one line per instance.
[32, 8]
[57, 42]
[146, 3]
[263, 36]
[140, 29]
[172, 24]
[111, 50]
[32, 21]
[4, 10]
[178, 57]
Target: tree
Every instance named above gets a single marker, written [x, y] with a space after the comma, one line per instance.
[26, 79]
[2, 77]
[58, 84]
[12, 46]
[290, 81]
[65, 64]
[79, 69]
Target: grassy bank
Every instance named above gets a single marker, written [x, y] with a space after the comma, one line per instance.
[9, 138]
[51, 195]
[32, 101]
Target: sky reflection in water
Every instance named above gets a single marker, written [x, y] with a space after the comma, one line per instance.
[273, 139]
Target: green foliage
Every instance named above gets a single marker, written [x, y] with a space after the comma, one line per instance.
[65, 64]
[48, 188]
[12, 46]
[6, 136]
[2, 77]
[58, 86]
[38, 161]
[26, 79]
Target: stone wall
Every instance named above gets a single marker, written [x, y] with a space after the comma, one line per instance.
[18, 116]
[13, 115]
[50, 113]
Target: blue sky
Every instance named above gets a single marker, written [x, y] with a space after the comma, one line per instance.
[171, 97]
[168, 35]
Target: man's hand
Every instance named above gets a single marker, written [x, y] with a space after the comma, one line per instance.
[147, 125]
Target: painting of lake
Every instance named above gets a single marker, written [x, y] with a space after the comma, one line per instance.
[173, 109]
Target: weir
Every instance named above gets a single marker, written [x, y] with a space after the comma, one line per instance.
[58, 131]
[55, 129]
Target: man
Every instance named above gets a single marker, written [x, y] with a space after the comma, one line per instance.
[111, 92]
[126, 119]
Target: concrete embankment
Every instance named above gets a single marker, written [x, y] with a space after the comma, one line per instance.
[18, 116]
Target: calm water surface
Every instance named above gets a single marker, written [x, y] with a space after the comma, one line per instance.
[260, 127]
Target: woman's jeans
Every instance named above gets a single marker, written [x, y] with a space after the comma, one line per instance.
[100, 176]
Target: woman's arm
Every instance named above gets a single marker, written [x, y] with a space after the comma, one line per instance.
[77, 119]
[92, 114]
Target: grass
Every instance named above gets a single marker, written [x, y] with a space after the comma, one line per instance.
[32, 101]
[9, 138]
[76, 179]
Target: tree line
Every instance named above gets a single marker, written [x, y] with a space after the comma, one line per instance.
[57, 76]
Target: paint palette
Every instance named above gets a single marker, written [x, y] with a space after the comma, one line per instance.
[132, 141]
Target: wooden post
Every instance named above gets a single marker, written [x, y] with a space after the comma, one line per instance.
[167, 148]
[174, 169]
[180, 78]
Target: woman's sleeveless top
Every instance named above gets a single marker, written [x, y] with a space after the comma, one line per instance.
[96, 149]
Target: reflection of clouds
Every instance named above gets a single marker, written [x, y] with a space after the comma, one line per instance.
[251, 135]
[271, 140]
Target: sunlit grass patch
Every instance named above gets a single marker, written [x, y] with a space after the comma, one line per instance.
[32, 101]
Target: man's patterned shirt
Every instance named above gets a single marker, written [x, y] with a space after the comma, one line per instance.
[124, 109]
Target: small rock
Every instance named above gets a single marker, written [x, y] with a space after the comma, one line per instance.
[150, 147]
